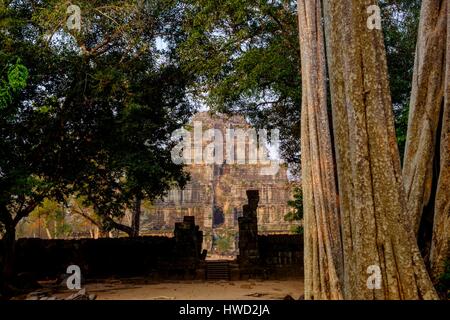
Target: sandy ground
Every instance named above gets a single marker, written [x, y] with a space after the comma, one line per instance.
[193, 290]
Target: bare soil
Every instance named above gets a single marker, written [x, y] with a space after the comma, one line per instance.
[140, 289]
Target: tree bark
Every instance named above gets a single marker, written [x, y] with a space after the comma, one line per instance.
[102, 233]
[9, 244]
[425, 113]
[10, 222]
[427, 161]
[375, 230]
[323, 246]
[440, 246]
[136, 218]
[118, 226]
[49, 234]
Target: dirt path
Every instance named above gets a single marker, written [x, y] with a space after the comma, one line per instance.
[193, 290]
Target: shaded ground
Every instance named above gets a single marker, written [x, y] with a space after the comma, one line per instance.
[140, 289]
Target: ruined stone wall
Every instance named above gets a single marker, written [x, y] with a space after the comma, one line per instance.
[161, 257]
[280, 251]
[266, 256]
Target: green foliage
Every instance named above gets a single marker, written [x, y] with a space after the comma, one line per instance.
[401, 127]
[443, 285]
[223, 243]
[99, 107]
[16, 80]
[24, 143]
[400, 25]
[297, 213]
[246, 57]
[52, 215]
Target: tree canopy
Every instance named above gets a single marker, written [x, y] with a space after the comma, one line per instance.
[246, 57]
[87, 112]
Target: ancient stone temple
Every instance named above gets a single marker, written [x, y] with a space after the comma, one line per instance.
[216, 194]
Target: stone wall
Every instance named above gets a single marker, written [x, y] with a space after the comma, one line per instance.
[279, 257]
[162, 257]
[282, 254]
[266, 256]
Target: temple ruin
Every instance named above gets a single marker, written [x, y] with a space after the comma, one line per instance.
[216, 195]
[177, 257]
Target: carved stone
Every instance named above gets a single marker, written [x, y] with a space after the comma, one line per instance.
[216, 194]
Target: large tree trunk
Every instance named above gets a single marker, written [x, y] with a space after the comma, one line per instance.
[440, 248]
[375, 229]
[427, 160]
[9, 243]
[136, 217]
[425, 171]
[323, 246]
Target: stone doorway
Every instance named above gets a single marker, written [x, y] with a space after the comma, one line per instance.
[218, 217]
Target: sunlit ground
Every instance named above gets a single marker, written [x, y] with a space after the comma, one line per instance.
[140, 289]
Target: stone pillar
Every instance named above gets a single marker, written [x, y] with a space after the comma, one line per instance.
[188, 238]
[248, 230]
[188, 253]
